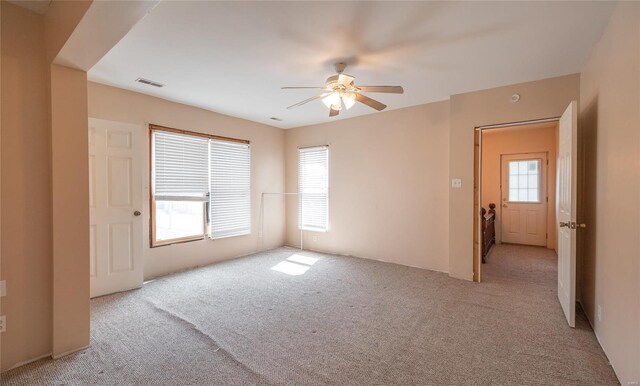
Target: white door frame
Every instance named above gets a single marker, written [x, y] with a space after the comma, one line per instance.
[478, 198]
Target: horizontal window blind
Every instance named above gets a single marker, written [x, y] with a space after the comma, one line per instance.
[230, 200]
[313, 188]
[181, 169]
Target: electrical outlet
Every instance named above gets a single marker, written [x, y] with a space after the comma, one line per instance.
[315, 238]
[456, 183]
[3, 288]
[3, 323]
[599, 313]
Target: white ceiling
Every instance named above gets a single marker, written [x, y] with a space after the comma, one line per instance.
[233, 57]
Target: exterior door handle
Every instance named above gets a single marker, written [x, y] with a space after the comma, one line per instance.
[572, 225]
[137, 213]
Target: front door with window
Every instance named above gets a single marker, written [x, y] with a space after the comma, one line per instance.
[524, 199]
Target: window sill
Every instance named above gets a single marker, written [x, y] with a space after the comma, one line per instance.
[227, 237]
[314, 230]
[164, 243]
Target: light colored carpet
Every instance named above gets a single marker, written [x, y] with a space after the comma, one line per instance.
[344, 321]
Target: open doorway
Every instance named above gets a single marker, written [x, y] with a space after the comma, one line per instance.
[524, 150]
[515, 193]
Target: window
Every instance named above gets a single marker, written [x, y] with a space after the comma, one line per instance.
[180, 185]
[230, 209]
[524, 180]
[191, 172]
[313, 188]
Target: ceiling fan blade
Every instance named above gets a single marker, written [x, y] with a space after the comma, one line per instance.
[345, 79]
[308, 100]
[370, 102]
[385, 89]
[333, 112]
[288, 88]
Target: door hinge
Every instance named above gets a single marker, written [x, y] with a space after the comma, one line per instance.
[547, 198]
[546, 236]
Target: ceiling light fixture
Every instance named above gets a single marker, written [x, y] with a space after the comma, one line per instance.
[339, 90]
[332, 99]
[349, 99]
[337, 98]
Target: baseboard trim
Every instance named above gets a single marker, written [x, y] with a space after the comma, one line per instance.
[364, 258]
[598, 339]
[48, 355]
[57, 356]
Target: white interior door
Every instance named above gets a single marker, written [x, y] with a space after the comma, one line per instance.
[115, 207]
[567, 192]
[524, 199]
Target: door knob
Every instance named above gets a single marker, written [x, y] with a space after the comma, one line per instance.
[572, 225]
[504, 206]
[137, 213]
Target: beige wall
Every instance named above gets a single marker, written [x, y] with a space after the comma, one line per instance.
[26, 186]
[540, 99]
[41, 186]
[609, 128]
[387, 186]
[70, 184]
[70, 197]
[535, 138]
[267, 173]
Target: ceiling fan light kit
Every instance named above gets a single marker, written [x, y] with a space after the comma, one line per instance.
[340, 90]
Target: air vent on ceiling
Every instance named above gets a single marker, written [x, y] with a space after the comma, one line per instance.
[149, 82]
[276, 119]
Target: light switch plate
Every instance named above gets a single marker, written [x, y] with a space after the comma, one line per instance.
[456, 183]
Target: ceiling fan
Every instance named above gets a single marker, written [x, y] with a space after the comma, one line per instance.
[339, 90]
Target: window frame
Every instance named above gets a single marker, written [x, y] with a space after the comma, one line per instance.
[540, 162]
[177, 240]
[153, 242]
[301, 227]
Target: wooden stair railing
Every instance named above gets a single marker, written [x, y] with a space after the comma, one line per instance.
[488, 230]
